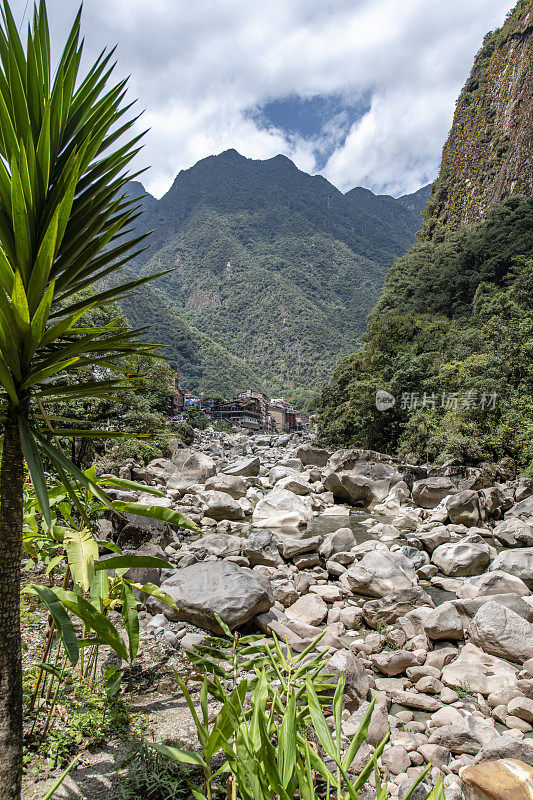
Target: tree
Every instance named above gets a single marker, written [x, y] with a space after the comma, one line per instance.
[65, 223]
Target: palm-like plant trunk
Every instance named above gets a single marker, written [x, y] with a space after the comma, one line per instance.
[11, 512]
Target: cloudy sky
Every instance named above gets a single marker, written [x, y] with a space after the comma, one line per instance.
[361, 91]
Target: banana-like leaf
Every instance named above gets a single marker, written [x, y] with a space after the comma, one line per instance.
[54, 604]
[156, 512]
[82, 552]
[94, 621]
[128, 562]
[123, 483]
[131, 619]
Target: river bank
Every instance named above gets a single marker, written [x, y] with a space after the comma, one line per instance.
[419, 579]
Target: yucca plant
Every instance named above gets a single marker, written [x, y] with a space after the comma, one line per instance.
[65, 223]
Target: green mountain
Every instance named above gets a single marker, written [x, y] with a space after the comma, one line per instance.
[201, 363]
[277, 267]
[451, 337]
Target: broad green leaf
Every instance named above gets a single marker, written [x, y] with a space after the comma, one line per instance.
[131, 619]
[128, 562]
[156, 512]
[82, 551]
[112, 684]
[122, 483]
[94, 621]
[53, 602]
[177, 755]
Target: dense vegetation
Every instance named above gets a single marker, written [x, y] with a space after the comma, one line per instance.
[455, 319]
[277, 267]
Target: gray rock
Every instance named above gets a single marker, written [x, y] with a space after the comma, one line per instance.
[358, 685]
[502, 633]
[309, 454]
[463, 508]
[309, 608]
[514, 532]
[428, 492]
[379, 573]
[261, 548]
[394, 662]
[193, 464]
[290, 546]
[221, 505]
[457, 559]
[522, 510]
[492, 583]
[389, 608]
[246, 467]
[456, 739]
[339, 541]
[507, 747]
[518, 562]
[418, 558]
[478, 672]
[297, 485]
[280, 508]
[236, 594]
[444, 622]
[233, 485]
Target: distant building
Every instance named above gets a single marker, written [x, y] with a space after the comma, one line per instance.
[177, 396]
[242, 412]
[263, 405]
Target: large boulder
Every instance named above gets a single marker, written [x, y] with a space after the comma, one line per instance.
[193, 465]
[507, 746]
[518, 562]
[160, 470]
[221, 545]
[220, 505]
[444, 622]
[310, 455]
[233, 485]
[500, 632]
[468, 607]
[495, 780]
[236, 594]
[461, 558]
[389, 608]
[358, 684]
[246, 467]
[463, 508]
[309, 608]
[357, 489]
[490, 583]
[297, 485]
[522, 510]
[281, 508]
[340, 541]
[514, 532]
[429, 492]
[477, 671]
[261, 547]
[380, 573]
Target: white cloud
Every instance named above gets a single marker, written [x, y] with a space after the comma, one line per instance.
[198, 67]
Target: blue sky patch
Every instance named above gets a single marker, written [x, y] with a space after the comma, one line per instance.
[325, 120]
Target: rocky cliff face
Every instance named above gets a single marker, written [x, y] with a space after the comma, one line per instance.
[488, 156]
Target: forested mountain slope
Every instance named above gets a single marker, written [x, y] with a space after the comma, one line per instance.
[488, 156]
[276, 266]
[451, 337]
